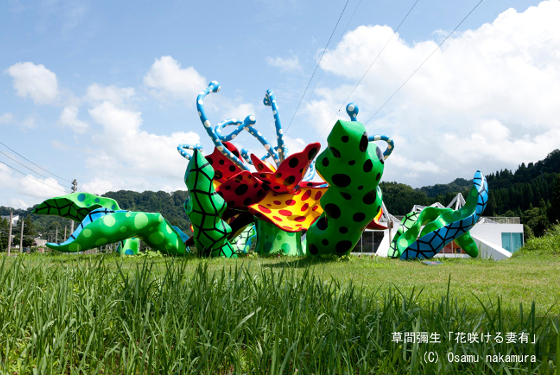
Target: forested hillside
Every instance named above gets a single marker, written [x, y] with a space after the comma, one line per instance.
[532, 192]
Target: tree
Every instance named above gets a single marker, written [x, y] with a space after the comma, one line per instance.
[554, 212]
[4, 227]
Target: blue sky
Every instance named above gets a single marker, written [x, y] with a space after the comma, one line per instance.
[104, 92]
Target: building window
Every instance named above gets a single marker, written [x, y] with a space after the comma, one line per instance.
[512, 241]
[369, 242]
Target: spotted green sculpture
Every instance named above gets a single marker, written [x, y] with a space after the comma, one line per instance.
[103, 226]
[276, 241]
[353, 167]
[205, 208]
[129, 246]
[75, 206]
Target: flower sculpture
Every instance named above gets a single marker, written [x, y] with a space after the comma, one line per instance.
[279, 196]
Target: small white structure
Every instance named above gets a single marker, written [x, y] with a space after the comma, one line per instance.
[496, 237]
[15, 218]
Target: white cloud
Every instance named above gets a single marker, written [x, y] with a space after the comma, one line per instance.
[112, 93]
[6, 118]
[289, 64]
[69, 117]
[17, 203]
[487, 99]
[29, 122]
[166, 78]
[294, 144]
[34, 81]
[126, 157]
[98, 186]
[28, 185]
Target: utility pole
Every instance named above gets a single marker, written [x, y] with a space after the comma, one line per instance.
[10, 233]
[65, 232]
[56, 235]
[74, 189]
[21, 237]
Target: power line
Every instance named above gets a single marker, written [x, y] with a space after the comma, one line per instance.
[33, 163]
[437, 48]
[371, 65]
[314, 71]
[17, 170]
[34, 171]
[330, 57]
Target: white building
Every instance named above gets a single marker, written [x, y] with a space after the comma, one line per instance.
[15, 218]
[496, 237]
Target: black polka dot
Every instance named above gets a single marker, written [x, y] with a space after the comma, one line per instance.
[210, 160]
[344, 138]
[370, 196]
[359, 217]
[232, 168]
[364, 142]
[332, 210]
[368, 166]
[378, 176]
[247, 201]
[325, 242]
[278, 175]
[220, 194]
[322, 223]
[241, 189]
[289, 180]
[301, 170]
[239, 178]
[228, 187]
[380, 155]
[335, 152]
[360, 187]
[346, 196]
[343, 246]
[218, 174]
[255, 185]
[341, 180]
[259, 193]
[343, 230]
[312, 153]
[231, 203]
[293, 162]
[309, 184]
[276, 187]
[313, 249]
[352, 162]
[260, 167]
[325, 162]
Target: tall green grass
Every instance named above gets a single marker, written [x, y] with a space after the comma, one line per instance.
[548, 244]
[95, 317]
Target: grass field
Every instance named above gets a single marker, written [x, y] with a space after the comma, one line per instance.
[69, 314]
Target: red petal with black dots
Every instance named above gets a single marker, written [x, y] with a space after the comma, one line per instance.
[241, 191]
[291, 171]
[224, 168]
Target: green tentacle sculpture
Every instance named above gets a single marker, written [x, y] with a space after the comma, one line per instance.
[103, 226]
[205, 208]
[353, 167]
[75, 206]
